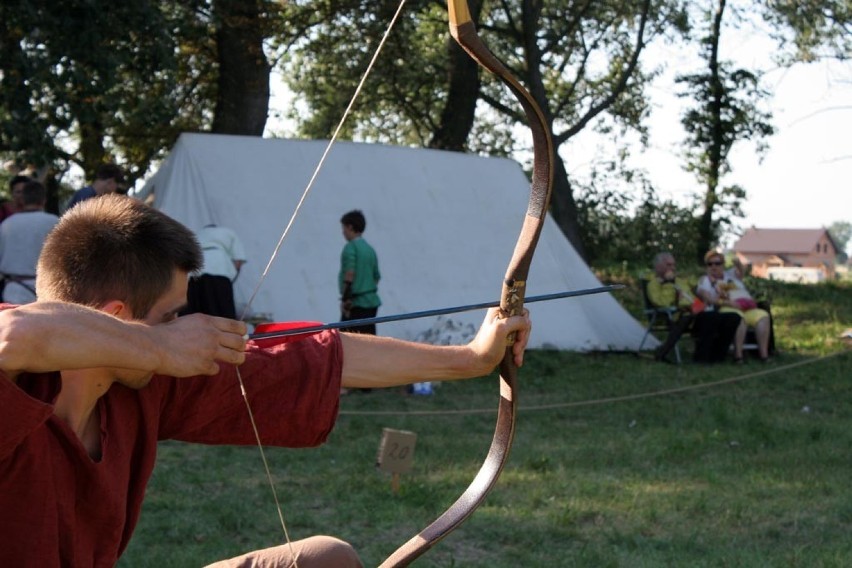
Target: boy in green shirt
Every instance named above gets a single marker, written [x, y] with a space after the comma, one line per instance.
[359, 274]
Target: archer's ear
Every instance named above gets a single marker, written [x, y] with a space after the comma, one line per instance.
[118, 309]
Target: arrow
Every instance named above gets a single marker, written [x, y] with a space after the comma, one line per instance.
[306, 328]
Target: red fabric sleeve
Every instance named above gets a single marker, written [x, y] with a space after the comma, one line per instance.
[293, 390]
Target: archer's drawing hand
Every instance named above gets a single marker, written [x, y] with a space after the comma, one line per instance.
[195, 344]
[489, 345]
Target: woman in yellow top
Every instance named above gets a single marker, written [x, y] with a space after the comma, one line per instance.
[729, 294]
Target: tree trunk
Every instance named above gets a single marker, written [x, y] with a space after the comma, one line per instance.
[563, 208]
[459, 110]
[242, 101]
[51, 186]
[92, 150]
[706, 230]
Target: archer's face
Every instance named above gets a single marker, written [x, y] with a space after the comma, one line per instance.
[164, 310]
[171, 302]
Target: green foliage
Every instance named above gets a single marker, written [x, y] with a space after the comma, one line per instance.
[727, 109]
[90, 81]
[841, 232]
[818, 28]
[580, 62]
[400, 102]
[619, 227]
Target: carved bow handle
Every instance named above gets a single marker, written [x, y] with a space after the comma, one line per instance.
[512, 300]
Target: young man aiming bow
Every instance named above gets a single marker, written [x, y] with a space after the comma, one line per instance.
[79, 432]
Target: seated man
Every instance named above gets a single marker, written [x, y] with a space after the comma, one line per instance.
[713, 331]
[78, 436]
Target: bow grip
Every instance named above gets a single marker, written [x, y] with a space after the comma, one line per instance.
[512, 302]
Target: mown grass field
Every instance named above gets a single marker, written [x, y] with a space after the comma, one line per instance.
[751, 467]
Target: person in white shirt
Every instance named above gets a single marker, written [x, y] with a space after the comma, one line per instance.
[21, 237]
[211, 291]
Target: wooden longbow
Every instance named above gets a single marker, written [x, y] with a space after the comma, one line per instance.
[512, 298]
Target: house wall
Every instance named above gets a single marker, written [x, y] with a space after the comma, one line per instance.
[796, 274]
[821, 256]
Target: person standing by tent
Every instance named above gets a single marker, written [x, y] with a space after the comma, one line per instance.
[359, 274]
[16, 192]
[109, 178]
[211, 291]
[21, 237]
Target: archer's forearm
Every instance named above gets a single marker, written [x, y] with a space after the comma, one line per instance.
[370, 361]
[375, 362]
[48, 336]
[52, 336]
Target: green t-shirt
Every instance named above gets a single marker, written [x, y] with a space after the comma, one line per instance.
[359, 257]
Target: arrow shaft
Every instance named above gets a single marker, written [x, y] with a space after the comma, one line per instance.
[431, 313]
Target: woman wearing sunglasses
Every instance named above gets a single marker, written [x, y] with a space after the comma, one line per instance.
[729, 294]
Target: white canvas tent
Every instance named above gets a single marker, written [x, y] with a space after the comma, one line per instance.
[443, 224]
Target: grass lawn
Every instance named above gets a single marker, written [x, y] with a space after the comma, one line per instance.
[748, 472]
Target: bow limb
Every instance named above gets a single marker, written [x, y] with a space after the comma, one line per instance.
[512, 298]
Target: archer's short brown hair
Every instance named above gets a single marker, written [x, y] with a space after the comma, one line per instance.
[114, 248]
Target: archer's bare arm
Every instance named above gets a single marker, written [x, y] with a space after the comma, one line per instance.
[372, 362]
[48, 336]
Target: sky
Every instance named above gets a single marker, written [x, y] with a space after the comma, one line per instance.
[804, 180]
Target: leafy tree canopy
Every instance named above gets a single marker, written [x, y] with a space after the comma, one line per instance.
[808, 30]
[85, 82]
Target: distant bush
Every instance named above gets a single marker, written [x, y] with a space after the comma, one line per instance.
[618, 228]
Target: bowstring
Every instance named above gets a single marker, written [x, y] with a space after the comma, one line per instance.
[274, 256]
[325, 153]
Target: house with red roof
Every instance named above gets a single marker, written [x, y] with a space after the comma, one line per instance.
[766, 250]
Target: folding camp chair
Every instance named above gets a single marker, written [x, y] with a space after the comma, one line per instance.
[660, 319]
